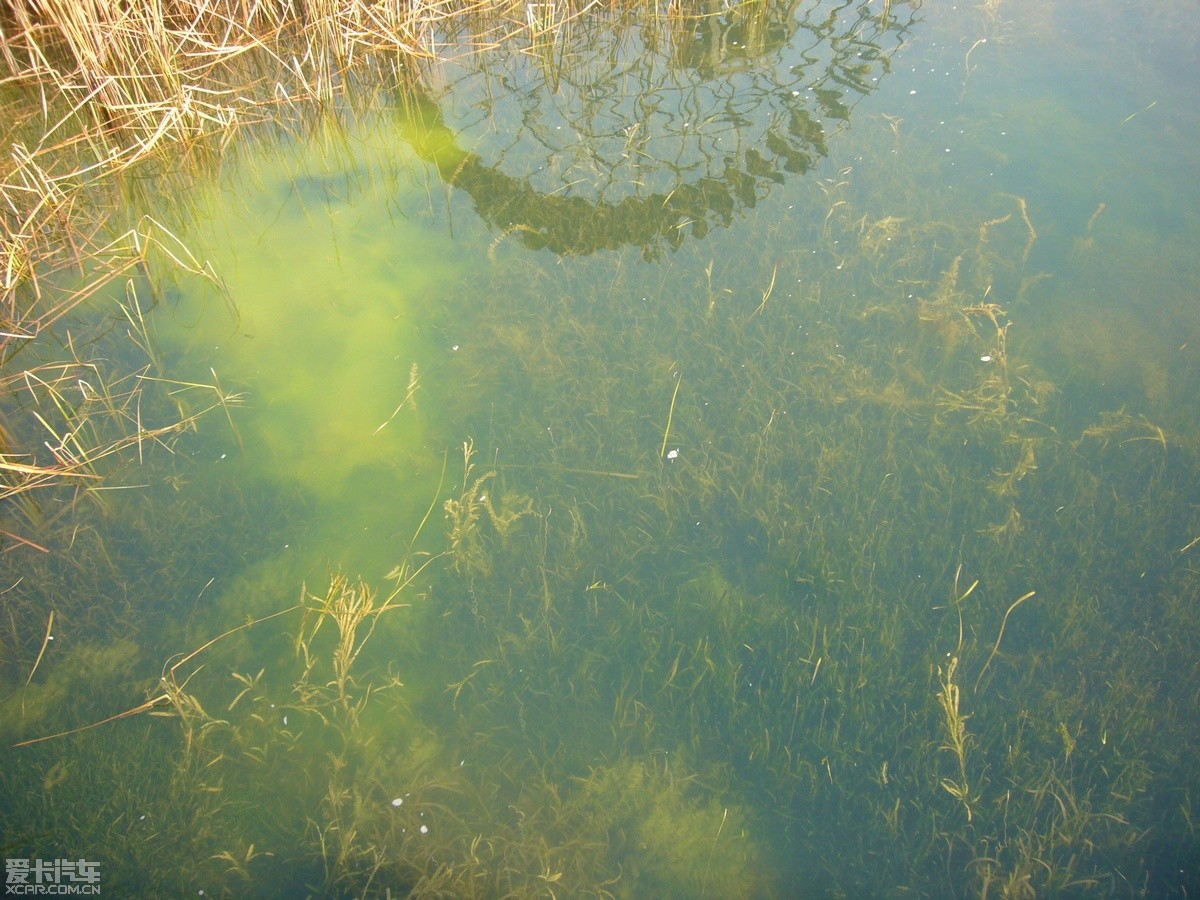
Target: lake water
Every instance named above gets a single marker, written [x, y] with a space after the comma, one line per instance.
[746, 454]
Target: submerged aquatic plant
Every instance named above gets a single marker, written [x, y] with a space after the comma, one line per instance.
[699, 675]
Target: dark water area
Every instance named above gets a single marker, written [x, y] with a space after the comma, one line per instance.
[750, 454]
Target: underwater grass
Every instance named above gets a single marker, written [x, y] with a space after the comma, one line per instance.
[860, 426]
[787, 652]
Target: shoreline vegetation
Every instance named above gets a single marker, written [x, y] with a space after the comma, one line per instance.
[801, 575]
[93, 88]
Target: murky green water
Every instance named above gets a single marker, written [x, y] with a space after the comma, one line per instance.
[767, 443]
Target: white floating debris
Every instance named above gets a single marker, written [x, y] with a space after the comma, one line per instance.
[987, 357]
[424, 829]
[672, 454]
[399, 801]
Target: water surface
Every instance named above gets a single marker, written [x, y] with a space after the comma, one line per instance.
[766, 441]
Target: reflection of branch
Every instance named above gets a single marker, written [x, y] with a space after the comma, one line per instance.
[646, 128]
[572, 226]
